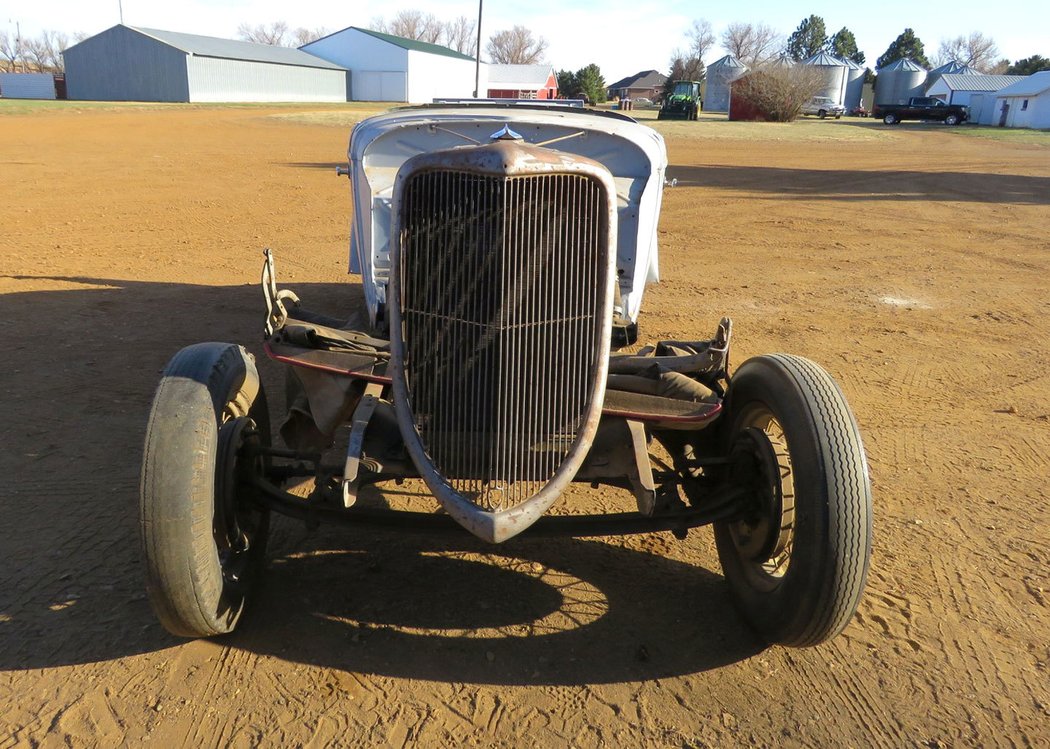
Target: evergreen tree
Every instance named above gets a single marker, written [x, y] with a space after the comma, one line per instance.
[589, 81]
[567, 83]
[907, 46]
[1029, 65]
[844, 45]
[808, 39]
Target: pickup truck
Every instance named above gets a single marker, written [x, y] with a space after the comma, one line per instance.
[921, 108]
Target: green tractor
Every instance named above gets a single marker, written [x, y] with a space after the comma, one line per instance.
[683, 103]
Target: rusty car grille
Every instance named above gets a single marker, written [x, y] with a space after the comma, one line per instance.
[502, 280]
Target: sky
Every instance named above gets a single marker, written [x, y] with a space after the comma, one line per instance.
[622, 37]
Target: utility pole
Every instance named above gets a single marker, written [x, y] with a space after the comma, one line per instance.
[120, 5]
[477, 55]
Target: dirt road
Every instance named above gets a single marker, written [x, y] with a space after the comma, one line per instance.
[912, 262]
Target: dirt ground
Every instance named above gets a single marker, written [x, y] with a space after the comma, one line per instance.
[912, 262]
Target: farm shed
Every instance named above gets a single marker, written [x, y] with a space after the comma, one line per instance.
[384, 67]
[1025, 103]
[125, 63]
[647, 83]
[952, 66]
[522, 82]
[27, 85]
[958, 88]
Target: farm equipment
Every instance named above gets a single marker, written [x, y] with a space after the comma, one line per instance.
[683, 103]
[503, 253]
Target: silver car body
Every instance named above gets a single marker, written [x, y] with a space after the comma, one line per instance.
[634, 154]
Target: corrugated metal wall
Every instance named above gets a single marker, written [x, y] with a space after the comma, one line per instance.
[124, 65]
[27, 85]
[215, 79]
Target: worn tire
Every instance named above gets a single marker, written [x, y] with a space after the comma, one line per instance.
[198, 582]
[890, 119]
[816, 591]
[822, 113]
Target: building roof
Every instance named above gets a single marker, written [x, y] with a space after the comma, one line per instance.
[413, 45]
[642, 79]
[824, 60]
[954, 66]
[231, 49]
[519, 76]
[1032, 85]
[727, 62]
[909, 65]
[978, 82]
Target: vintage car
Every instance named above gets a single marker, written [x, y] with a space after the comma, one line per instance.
[503, 253]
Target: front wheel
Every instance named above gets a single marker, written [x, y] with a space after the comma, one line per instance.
[203, 538]
[797, 557]
[890, 119]
[822, 113]
[952, 119]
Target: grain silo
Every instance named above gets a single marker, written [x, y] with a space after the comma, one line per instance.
[899, 81]
[953, 67]
[854, 85]
[833, 75]
[720, 74]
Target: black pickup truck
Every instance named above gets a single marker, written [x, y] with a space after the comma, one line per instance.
[921, 108]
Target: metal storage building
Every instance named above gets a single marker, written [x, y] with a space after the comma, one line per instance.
[126, 63]
[953, 88]
[27, 85]
[384, 67]
[898, 82]
[854, 85]
[720, 74]
[1025, 103]
[952, 66]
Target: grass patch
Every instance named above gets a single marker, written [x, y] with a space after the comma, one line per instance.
[805, 129]
[1005, 134]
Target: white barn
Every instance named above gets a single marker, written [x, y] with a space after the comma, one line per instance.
[384, 67]
[125, 63]
[1025, 103]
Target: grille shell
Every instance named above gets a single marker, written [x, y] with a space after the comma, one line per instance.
[500, 318]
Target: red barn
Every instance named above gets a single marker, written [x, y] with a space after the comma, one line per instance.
[522, 82]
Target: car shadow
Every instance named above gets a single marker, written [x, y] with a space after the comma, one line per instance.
[529, 611]
[851, 184]
[79, 374]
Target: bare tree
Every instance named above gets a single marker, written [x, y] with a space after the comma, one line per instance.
[276, 33]
[38, 51]
[412, 24]
[701, 38]
[11, 50]
[379, 24]
[303, 36]
[752, 43]
[778, 92]
[516, 46]
[976, 50]
[461, 35]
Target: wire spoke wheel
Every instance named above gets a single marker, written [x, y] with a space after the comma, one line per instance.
[796, 558]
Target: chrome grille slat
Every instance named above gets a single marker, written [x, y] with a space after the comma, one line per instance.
[501, 283]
